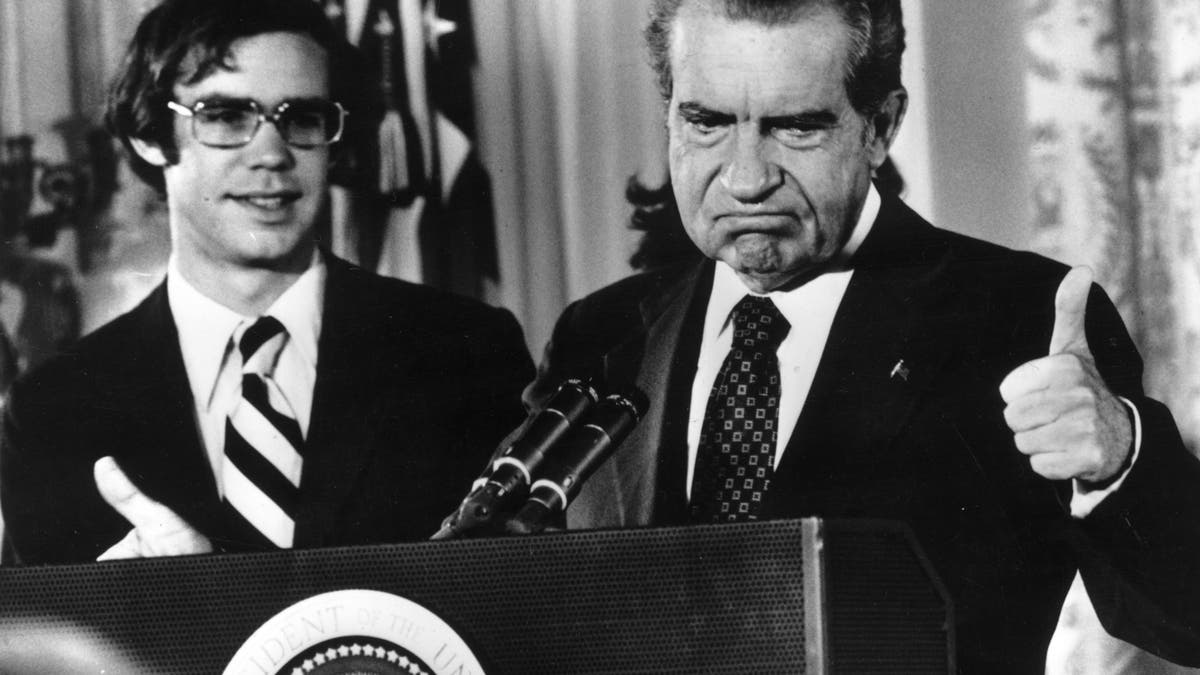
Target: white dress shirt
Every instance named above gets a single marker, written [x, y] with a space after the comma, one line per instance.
[214, 367]
[809, 309]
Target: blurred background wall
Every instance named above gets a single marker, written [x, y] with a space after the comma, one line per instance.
[1071, 127]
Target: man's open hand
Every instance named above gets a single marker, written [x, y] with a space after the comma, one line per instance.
[1062, 414]
[157, 530]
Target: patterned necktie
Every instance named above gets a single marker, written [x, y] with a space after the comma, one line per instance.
[736, 456]
[263, 446]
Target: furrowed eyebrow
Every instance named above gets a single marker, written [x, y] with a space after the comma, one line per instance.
[812, 119]
[816, 119]
[695, 112]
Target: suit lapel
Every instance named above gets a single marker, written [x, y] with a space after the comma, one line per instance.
[339, 441]
[163, 453]
[644, 481]
[172, 466]
[878, 359]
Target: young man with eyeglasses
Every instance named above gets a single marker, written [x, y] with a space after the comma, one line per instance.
[267, 395]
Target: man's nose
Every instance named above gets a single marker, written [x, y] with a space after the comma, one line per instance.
[750, 174]
[269, 150]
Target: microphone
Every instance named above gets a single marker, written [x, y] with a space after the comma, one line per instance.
[581, 452]
[512, 472]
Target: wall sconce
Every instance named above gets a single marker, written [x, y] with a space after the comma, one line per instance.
[77, 192]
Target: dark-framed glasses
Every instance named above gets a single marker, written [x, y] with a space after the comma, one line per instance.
[232, 123]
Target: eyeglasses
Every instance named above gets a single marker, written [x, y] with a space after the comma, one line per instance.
[232, 123]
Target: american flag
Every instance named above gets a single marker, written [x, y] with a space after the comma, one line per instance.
[427, 215]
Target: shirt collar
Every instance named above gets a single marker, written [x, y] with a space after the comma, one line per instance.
[206, 327]
[728, 288]
[866, 220]
[299, 310]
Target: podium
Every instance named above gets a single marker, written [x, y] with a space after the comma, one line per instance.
[794, 596]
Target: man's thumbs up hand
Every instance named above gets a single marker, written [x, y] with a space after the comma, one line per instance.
[157, 530]
[1061, 413]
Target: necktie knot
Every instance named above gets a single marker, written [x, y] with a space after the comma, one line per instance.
[260, 345]
[758, 324]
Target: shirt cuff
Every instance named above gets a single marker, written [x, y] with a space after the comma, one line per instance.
[1083, 501]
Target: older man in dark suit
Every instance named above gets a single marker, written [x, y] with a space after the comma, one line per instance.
[267, 395]
[838, 356]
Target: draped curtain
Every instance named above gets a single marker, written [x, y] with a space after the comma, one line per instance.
[1113, 95]
[569, 113]
[1116, 164]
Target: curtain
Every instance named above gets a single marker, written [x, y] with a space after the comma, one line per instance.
[1113, 91]
[570, 113]
[415, 201]
[1116, 160]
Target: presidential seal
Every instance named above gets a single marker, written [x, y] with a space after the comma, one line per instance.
[355, 631]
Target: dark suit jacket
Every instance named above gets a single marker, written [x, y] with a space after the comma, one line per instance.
[414, 388]
[931, 449]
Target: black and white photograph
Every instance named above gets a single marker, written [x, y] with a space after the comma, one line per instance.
[599, 336]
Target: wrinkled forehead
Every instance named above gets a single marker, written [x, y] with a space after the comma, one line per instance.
[741, 64]
[765, 12]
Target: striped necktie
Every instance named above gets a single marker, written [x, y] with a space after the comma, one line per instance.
[263, 446]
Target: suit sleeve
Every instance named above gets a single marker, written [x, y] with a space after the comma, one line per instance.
[1141, 544]
[508, 368]
[565, 356]
[9, 467]
[22, 477]
[51, 511]
[541, 386]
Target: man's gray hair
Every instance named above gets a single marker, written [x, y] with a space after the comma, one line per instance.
[876, 39]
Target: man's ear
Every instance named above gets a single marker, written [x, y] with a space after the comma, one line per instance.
[151, 153]
[885, 123]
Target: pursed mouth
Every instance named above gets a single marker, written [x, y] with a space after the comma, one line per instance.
[744, 223]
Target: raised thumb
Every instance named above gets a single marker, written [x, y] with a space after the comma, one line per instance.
[1070, 304]
[121, 494]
